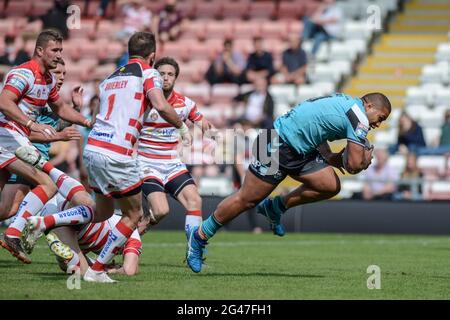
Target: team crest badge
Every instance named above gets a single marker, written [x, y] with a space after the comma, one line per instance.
[154, 116]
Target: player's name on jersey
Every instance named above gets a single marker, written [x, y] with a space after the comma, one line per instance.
[116, 85]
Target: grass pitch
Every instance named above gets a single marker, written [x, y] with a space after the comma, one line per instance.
[248, 266]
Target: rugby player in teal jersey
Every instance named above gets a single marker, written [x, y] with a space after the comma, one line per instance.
[16, 188]
[298, 147]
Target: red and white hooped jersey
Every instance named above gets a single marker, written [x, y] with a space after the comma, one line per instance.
[33, 88]
[159, 139]
[93, 236]
[123, 104]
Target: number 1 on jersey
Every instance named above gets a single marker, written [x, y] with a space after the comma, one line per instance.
[111, 99]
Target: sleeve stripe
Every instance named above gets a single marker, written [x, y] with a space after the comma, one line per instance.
[353, 118]
[360, 115]
[13, 90]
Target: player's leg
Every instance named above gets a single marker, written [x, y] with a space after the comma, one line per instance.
[253, 190]
[192, 202]
[68, 187]
[68, 237]
[316, 186]
[131, 207]
[32, 203]
[153, 190]
[319, 182]
[12, 197]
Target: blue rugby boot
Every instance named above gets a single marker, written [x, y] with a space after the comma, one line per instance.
[266, 209]
[194, 250]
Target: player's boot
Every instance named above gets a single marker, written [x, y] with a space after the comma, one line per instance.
[93, 276]
[14, 246]
[34, 228]
[59, 249]
[194, 250]
[266, 209]
[31, 156]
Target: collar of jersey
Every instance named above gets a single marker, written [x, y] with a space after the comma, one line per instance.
[140, 61]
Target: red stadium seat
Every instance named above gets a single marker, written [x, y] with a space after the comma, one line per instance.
[275, 29]
[39, 8]
[290, 10]
[262, 10]
[17, 8]
[219, 29]
[195, 29]
[235, 10]
[208, 9]
[247, 29]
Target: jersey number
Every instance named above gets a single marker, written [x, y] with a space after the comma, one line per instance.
[111, 99]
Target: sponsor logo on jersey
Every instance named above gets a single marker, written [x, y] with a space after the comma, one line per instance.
[17, 82]
[102, 135]
[361, 130]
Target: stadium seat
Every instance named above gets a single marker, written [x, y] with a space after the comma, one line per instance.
[442, 96]
[198, 92]
[274, 29]
[247, 29]
[224, 92]
[385, 138]
[397, 162]
[322, 72]
[217, 186]
[342, 51]
[433, 165]
[438, 190]
[350, 186]
[432, 135]
[443, 52]
[219, 29]
[235, 10]
[208, 9]
[281, 108]
[306, 92]
[262, 10]
[290, 10]
[17, 8]
[357, 30]
[418, 95]
[283, 93]
[434, 74]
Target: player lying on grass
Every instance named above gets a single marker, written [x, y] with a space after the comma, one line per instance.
[292, 149]
[71, 244]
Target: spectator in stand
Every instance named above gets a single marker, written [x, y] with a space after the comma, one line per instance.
[294, 63]
[410, 188]
[136, 17]
[410, 135]
[379, 179]
[444, 141]
[56, 17]
[227, 66]
[169, 22]
[259, 63]
[13, 56]
[325, 24]
[258, 105]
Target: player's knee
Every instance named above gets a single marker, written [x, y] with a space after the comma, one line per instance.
[130, 270]
[160, 210]
[332, 189]
[50, 188]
